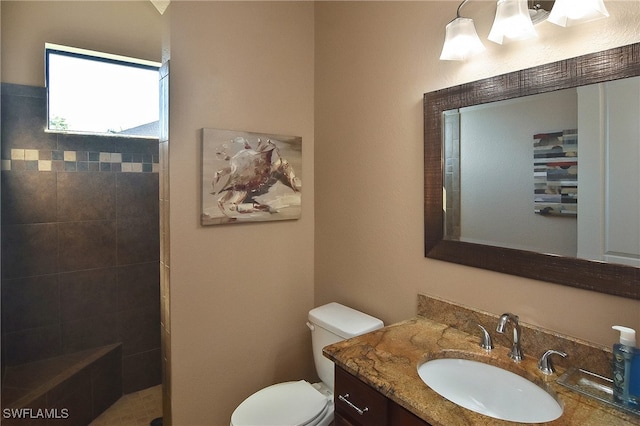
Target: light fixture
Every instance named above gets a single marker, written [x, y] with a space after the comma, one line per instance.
[515, 20]
[512, 22]
[571, 12]
[461, 39]
[161, 5]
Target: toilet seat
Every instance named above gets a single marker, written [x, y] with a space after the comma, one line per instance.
[290, 403]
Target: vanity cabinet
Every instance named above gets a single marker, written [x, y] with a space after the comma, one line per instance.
[358, 404]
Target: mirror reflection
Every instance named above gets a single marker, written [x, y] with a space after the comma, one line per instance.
[554, 173]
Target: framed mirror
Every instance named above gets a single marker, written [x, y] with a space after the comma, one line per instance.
[444, 240]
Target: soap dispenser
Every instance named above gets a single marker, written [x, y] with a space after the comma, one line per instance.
[625, 357]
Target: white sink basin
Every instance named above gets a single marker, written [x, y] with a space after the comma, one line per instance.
[490, 390]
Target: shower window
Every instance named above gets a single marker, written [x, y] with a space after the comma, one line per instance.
[100, 93]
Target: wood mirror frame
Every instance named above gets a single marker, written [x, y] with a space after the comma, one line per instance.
[610, 278]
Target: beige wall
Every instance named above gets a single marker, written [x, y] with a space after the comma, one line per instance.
[374, 60]
[348, 78]
[240, 294]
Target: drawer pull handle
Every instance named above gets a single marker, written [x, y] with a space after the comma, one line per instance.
[350, 404]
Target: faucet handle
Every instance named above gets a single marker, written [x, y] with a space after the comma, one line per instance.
[486, 342]
[545, 365]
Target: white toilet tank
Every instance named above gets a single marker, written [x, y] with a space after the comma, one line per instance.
[332, 323]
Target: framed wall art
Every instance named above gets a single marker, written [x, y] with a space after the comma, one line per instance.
[250, 177]
[555, 163]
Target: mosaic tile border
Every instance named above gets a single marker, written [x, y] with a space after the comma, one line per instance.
[80, 161]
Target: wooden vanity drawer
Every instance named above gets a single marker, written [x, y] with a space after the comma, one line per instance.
[373, 405]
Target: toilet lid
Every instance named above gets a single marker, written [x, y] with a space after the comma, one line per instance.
[283, 404]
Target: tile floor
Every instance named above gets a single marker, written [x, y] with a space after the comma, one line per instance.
[134, 409]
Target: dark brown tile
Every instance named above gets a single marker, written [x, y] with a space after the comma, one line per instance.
[11, 394]
[73, 395]
[18, 165]
[140, 329]
[141, 371]
[138, 240]
[86, 196]
[34, 374]
[90, 332]
[87, 245]
[30, 302]
[3, 357]
[57, 166]
[78, 378]
[138, 285]
[45, 155]
[136, 145]
[33, 344]
[28, 197]
[137, 194]
[29, 250]
[24, 117]
[85, 294]
[106, 381]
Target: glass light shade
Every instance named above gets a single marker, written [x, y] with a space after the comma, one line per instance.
[512, 22]
[571, 12]
[538, 15]
[461, 40]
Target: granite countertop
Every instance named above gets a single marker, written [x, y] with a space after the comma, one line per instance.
[387, 360]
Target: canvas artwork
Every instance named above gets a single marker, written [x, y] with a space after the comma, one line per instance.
[250, 177]
[555, 162]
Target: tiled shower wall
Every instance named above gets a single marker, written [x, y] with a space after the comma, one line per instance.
[165, 287]
[80, 242]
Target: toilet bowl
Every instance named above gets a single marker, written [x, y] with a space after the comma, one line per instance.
[300, 403]
[288, 403]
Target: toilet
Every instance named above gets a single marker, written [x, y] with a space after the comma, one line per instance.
[300, 403]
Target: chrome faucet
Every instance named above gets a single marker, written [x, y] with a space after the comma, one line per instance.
[516, 350]
[486, 342]
[545, 364]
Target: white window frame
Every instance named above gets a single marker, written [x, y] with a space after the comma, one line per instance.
[92, 55]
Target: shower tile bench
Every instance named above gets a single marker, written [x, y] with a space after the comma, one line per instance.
[76, 387]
